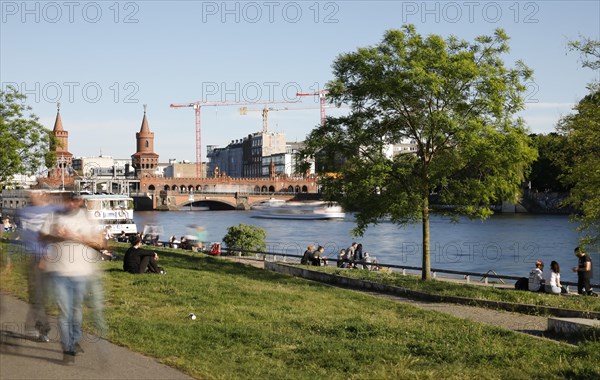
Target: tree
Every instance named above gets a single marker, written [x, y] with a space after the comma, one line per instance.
[455, 100]
[582, 167]
[245, 237]
[24, 143]
[589, 51]
[546, 173]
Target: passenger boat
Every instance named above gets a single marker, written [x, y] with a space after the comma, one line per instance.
[115, 211]
[279, 209]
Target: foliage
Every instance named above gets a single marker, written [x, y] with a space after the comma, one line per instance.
[589, 50]
[546, 173]
[582, 169]
[254, 324]
[583, 174]
[245, 237]
[455, 100]
[24, 143]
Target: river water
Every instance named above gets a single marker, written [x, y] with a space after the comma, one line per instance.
[509, 244]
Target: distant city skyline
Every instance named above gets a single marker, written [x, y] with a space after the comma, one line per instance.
[104, 60]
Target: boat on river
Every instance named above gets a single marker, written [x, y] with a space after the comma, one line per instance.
[279, 209]
[115, 211]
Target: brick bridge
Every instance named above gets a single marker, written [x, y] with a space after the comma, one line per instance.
[161, 193]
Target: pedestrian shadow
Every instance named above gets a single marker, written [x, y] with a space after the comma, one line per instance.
[15, 344]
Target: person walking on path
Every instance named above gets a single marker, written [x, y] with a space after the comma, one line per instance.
[584, 272]
[31, 220]
[70, 260]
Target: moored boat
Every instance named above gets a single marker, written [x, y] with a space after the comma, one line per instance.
[115, 211]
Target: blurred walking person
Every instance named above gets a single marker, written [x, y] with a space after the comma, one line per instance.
[31, 219]
[71, 260]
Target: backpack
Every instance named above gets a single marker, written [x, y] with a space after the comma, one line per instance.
[522, 284]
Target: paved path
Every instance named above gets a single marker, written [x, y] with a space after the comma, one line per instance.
[21, 358]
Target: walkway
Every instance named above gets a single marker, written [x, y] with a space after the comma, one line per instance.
[21, 358]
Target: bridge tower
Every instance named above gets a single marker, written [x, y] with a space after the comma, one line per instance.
[144, 160]
[61, 149]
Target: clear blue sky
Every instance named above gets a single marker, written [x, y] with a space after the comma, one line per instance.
[105, 59]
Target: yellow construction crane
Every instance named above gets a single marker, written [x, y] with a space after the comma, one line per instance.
[265, 112]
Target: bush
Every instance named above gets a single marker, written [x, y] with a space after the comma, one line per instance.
[243, 238]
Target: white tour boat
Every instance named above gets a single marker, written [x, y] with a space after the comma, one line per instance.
[115, 211]
[279, 209]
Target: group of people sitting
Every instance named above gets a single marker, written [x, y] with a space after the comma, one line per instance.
[353, 256]
[314, 256]
[550, 283]
[350, 257]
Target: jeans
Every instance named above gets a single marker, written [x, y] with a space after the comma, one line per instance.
[69, 293]
[583, 283]
[38, 288]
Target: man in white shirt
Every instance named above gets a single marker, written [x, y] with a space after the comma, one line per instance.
[536, 277]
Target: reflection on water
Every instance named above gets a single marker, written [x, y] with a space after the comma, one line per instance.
[508, 244]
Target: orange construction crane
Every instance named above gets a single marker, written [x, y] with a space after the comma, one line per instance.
[197, 106]
[322, 94]
[266, 110]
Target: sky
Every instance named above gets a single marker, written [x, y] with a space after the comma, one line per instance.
[104, 60]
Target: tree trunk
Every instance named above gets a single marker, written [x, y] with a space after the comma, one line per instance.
[426, 265]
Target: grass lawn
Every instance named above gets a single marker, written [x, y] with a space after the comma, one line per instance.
[446, 288]
[257, 324]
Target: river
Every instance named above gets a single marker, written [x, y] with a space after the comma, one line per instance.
[509, 244]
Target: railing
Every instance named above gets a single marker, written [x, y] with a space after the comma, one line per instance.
[467, 276]
[490, 274]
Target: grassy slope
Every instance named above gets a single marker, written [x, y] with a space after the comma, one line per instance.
[446, 288]
[256, 324]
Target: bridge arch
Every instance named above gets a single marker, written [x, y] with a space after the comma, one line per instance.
[304, 189]
[290, 189]
[271, 189]
[166, 188]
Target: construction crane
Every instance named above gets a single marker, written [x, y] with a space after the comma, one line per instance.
[265, 112]
[322, 94]
[197, 106]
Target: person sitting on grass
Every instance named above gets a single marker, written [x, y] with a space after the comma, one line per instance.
[317, 257]
[536, 277]
[553, 285]
[137, 260]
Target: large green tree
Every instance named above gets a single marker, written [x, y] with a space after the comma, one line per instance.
[546, 173]
[24, 142]
[455, 100]
[582, 129]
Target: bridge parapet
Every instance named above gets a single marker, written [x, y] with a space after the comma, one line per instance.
[231, 185]
[175, 200]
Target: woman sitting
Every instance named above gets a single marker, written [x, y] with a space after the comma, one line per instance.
[552, 283]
